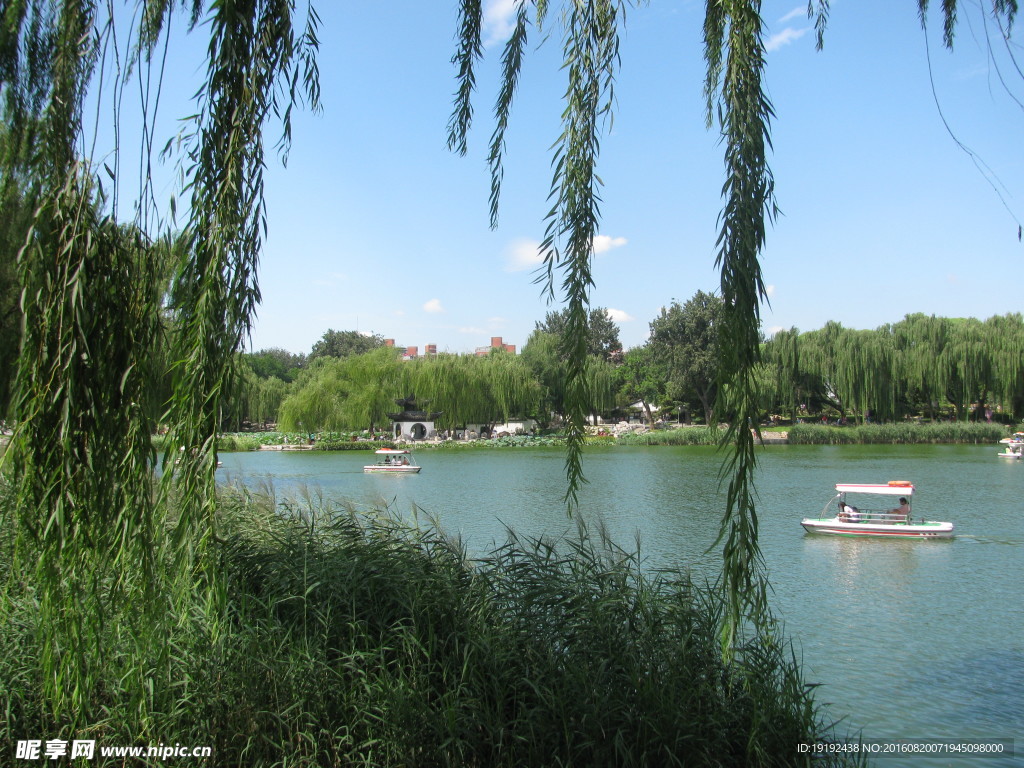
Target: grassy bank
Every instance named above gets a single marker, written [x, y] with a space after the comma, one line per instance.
[800, 434]
[353, 640]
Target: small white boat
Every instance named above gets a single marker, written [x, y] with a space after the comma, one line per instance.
[839, 518]
[1014, 446]
[393, 460]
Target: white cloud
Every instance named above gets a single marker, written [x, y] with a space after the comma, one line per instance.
[499, 20]
[433, 306]
[619, 315]
[785, 37]
[604, 243]
[521, 255]
[524, 254]
[468, 329]
[769, 291]
[799, 11]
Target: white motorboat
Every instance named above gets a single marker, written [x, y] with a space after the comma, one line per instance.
[840, 518]
[393, 460]
[1014, 446]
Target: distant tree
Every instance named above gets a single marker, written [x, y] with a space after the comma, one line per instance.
[541, 355]
[819, 357]
[345, 343]
[467, 389]
[602, 332]
[922, 364]
[349, 393]
[544, 355]
[264, 400]
[641, 377]
[685, 339]
[276, 362]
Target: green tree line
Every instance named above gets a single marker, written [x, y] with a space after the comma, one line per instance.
[921, 366]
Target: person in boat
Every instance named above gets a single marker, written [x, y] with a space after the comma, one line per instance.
[901, 513]
[848, 513]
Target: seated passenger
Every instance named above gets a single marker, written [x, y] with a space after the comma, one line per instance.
[900, 514]
[848, 513]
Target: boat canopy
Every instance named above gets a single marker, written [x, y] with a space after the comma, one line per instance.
[392, 451]
[892, 488]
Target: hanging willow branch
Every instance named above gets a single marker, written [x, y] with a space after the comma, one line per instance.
[81, 456]
[735, 55]
[254, 72]
[591, 58]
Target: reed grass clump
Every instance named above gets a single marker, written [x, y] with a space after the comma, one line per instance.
[355, 639]
[686, 436]
[897, 433]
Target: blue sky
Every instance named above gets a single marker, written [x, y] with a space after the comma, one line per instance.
[376, 226]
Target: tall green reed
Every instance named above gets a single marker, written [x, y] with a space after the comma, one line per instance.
[355, 639]
[896, 433]
[688, 436]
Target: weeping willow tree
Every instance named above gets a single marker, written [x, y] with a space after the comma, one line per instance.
[358, 392]
[542, 353]
[820, 361]
[1005, 334]
[863, 374]
[544, 356]
[469, 389]
[920, 340]
[258, 64]
[349, 393]
[453, 386]
[264, 399]
[783, 354]
[88, 526]
[927, 360]
[967, 365]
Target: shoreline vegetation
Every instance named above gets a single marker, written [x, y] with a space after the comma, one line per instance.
[352, 639]
[898, 433]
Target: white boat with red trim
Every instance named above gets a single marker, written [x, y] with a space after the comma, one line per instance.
[1014, 446]
[393, 461]
[842, 518]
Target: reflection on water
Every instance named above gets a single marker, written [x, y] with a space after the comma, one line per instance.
[909, 639]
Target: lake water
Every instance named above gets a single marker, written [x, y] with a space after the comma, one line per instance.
[918, 640]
